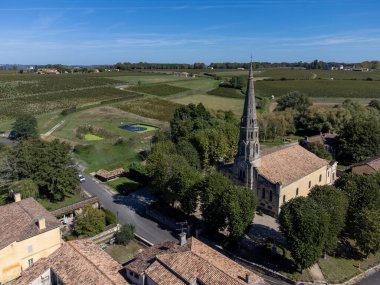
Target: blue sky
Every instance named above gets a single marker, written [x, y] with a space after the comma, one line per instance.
[109, 31]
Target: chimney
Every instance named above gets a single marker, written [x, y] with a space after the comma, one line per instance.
[248, 278]
[41, 223]
[17, 197]
[182, 239]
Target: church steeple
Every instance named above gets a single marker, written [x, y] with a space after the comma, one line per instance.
[248, 156]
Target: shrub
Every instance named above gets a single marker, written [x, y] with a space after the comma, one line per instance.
[125, 235]
[110, 217]
[90, 222]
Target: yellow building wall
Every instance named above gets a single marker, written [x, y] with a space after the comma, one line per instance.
[14, 258]
[322, 176]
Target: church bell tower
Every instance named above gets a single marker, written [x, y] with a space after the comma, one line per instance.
[248, 155]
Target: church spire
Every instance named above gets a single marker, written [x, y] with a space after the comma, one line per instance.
[248, 156]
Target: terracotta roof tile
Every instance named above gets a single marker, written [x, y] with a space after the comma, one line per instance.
[192, 262]
[289, 164]
[79, 262]
[18, 221]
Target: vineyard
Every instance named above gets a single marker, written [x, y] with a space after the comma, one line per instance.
[153, 108]
[159, 89]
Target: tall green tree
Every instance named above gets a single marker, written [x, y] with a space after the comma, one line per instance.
[367, 233]
[293, 100]
[319, 150]
[90, 222]
[335, 203]
[48, 164]
[25, 127]
[126, 234]
[305, 225]
[356, 142]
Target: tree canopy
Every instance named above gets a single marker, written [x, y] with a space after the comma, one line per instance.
[305, 225]
[90, 222]
[48, 164]
[25, 127]
[293, 100]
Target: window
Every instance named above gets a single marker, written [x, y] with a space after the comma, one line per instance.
[283, 199]
[270, 196]
[309, 184]
[263, 194]
[257, 149]
[297, 191]
[320, 178]
[30, 262]
[30, 249]
[328, 174]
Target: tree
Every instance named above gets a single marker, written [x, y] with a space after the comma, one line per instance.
[48, 164]
[126, 234]
[367, 233]
[374, 104]
[26, 187]
[304, 224]
[240, 203]
[90, 222]
[25, 127]
[335, 203]
[110, 217]
[226, 206]
[293, 100]
[356, 143]
[187, 150]
[319, 150]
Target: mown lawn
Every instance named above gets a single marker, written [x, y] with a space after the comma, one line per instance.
[123, 254]
[338, 270]
[124, 185]
[51, 206]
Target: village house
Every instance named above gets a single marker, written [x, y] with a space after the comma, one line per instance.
[329, 140]
[78, 262]
[367, 167]
[28, 232]
[279, 175]
[187, 262]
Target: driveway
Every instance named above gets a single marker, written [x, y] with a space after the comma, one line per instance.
[130, 210]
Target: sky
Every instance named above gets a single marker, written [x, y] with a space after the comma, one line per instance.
[175, 31]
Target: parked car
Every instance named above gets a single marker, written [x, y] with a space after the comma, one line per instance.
[81, 178]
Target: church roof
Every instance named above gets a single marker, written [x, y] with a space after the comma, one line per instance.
[289, 164]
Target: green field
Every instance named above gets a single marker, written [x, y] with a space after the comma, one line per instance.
[152, 107]
[148, 128]
[51, 206]
[226, 92]
[214, 102]
[91, 137]
[145, 78]
[123, 254]
[124, 185]
[159, 89]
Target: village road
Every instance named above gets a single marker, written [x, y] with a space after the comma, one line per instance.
[130, 210]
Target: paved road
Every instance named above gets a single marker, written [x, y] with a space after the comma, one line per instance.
[371, 280]
[130, 210]
[6, 141]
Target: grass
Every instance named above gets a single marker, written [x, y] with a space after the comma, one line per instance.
[159, 89]
[214, 102]
[154, 108]
[51, 206]
[123, 254]
[145, 78]
[338, 270]
[124, 185]
[91, 137]
[226, 92]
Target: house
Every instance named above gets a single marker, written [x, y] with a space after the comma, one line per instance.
[367, 167]
[28, 232]
[280, 175]
[188, 262]
[329, 140]
[105, 175]
[77, 262]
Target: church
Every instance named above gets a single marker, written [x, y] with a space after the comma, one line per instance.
[279, 175]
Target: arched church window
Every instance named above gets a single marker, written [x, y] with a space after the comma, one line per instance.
[257, 149]
[263, 194]
[270, 196]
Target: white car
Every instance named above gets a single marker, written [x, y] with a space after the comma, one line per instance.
[81, 178]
